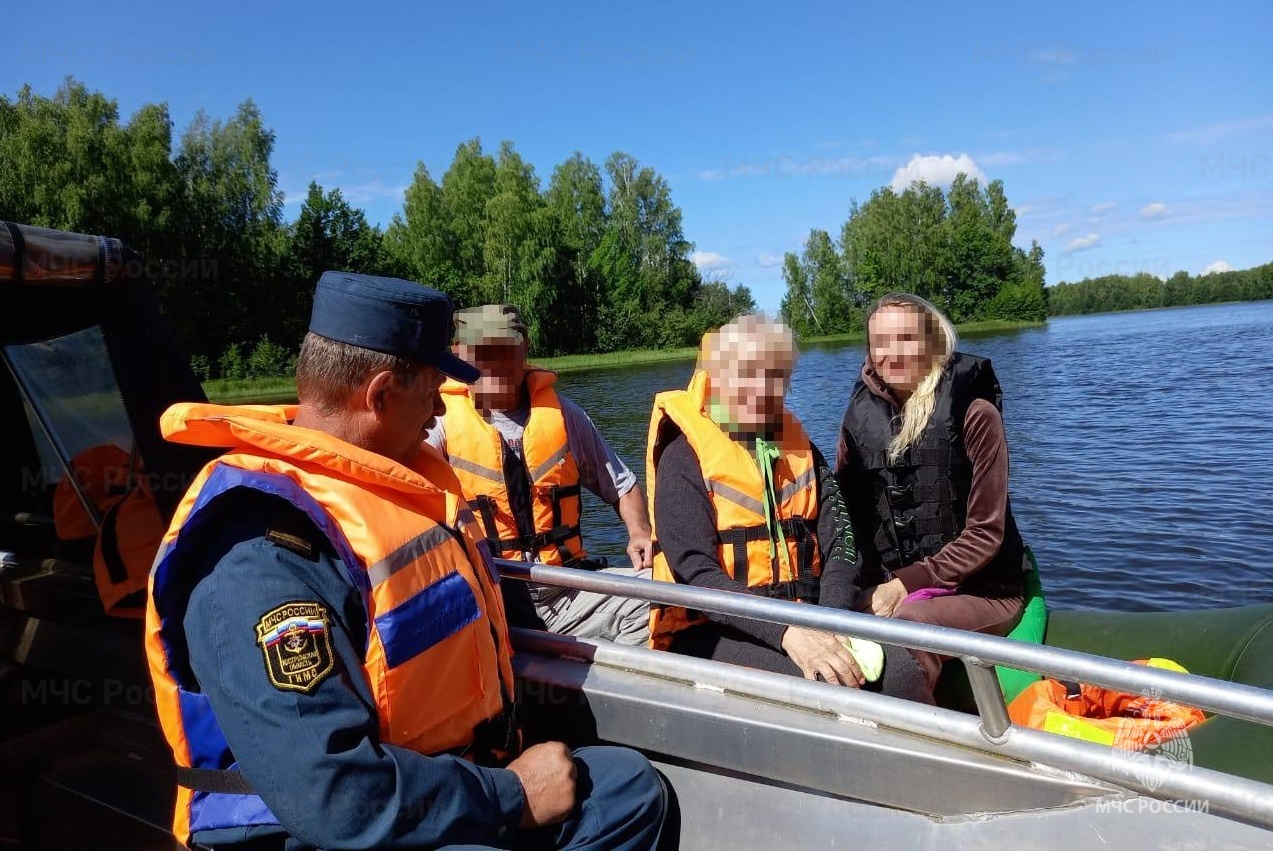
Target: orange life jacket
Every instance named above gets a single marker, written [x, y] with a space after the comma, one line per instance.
[403, 535]
[131, 523]
[476, 452]
[1103, 715]
[744, 549]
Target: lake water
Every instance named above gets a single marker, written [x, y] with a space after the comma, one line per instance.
[1141, 448]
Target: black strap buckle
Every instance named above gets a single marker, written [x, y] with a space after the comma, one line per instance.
[900, 496]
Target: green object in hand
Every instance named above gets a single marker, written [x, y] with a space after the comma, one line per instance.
[868, 654]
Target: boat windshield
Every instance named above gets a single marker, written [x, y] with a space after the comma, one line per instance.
[71, 399]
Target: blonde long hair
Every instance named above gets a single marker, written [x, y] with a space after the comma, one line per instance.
[942, 338]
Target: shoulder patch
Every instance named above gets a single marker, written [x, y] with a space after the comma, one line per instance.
[296, 641]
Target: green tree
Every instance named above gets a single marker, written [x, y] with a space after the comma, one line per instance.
[231, 219]
[66, 162]
[328, 234]
[1137, 292]
[953, 248]
[418, 242]
[820, 298]
[797, 303]
[647, 226]
[467, 188]
[577, 201]
[521, 243]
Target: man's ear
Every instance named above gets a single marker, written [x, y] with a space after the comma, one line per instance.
[381, 386]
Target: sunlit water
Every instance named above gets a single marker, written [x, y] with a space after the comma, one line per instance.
[1141, 446]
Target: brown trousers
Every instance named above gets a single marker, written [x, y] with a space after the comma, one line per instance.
[993, 615]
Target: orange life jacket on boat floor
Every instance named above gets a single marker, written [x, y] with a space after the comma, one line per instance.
[1102, 715]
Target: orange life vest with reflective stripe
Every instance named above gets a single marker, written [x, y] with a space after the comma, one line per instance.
[476, 452]
[437, 658]
[117, 486]
[1106, 716]
[745, 545]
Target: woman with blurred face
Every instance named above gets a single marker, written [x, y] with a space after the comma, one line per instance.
[743, 501]
[923, 465]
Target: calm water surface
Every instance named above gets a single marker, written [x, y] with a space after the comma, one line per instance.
[1141, 446]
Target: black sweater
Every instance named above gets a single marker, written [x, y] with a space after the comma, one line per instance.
[686, 524]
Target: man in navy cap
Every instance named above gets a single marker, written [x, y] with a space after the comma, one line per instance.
[325, 628]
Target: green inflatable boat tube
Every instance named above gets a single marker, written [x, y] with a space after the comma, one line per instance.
[1032, 627]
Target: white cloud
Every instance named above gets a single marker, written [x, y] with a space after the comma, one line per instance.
[1215, 132]
[710, 260]
[1218, 266]
[768, 261]
[935, 171]
[1062, 229]
[1103, 207]
[1155, 210]
[1082, 243]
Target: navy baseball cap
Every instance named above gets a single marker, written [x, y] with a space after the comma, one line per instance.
[389, 315]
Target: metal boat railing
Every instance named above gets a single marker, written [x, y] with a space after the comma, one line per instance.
[990, 730]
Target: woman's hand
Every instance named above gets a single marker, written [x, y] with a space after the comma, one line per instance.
[821, 655]
[884, 599]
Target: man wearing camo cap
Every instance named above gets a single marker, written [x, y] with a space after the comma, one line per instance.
[522, 451]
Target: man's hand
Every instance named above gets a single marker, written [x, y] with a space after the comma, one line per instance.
[641, 550]
[631, 509]
[884, 599]
[821, 655]
[547, 774]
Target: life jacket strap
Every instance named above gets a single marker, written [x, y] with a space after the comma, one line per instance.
[217, 780]
[798, 529]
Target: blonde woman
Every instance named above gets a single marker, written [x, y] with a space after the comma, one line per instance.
[744, 502]
[923, 465]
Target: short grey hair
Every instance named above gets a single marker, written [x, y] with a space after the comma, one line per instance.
[328, 371]
[745, 335]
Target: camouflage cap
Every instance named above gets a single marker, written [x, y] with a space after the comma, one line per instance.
[489, 323]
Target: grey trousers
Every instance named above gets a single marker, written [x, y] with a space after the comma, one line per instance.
[587, 614]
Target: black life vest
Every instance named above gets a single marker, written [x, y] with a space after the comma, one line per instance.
[918, 504]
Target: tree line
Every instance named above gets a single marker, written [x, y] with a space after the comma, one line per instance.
[597, 261]
[1140, 292]
[953, 247]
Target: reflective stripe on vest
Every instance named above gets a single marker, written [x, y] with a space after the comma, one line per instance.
[736, 491]
[432, 597]
[476, 452]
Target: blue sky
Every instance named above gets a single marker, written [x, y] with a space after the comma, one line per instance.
[1130, 136]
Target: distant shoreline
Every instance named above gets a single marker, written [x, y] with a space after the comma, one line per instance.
[283, 390]
[1230, 302]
